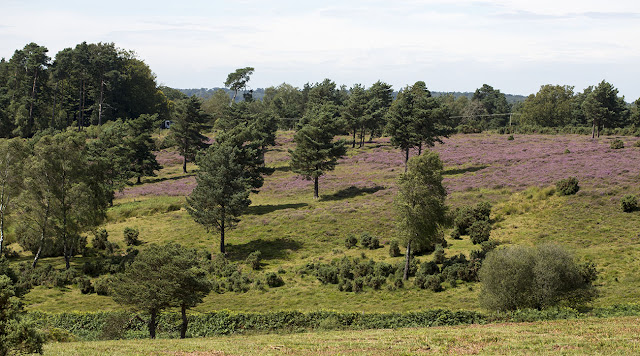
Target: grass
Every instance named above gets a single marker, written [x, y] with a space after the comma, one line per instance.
[291, 229]
[610, 336]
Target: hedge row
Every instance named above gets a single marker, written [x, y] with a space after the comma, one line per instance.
[577, 130]
[93, 326]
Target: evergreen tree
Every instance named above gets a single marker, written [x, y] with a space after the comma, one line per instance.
[315, 151]
[12, 156]
[603, 107]
[140, 146]
[354, 110]
[186, 130]
[223, 186]
[380, 97]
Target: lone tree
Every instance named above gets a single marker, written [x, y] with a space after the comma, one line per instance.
[238, 80]
[315, 151]
[420, 206]
[603, 107]
[517, 277]
[186, 130]
[140, 146]
[224, 182]
[162, 277]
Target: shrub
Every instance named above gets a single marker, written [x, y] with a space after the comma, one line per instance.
[84, 284]
[519, 277]
[480, 231]
[636, 144]
[455, 234]
[567, 186]
[438, 254]
[100, 241]
[131, 236]
[467, 215]
[510, 138]
[394, 248]
[350, 241]
[273, 280]
[433, 283]
[616, 144]
[629, 203]
[254, 260]
[102, 285]
[370, 242]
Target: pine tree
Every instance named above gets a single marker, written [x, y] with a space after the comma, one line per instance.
[186, 130]
[140, 146]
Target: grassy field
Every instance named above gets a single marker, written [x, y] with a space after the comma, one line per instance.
[291, 229]
[611, 336]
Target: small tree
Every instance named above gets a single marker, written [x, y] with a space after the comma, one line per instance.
[186, 130]
[223, 186]
[420, 206]
[161, 277]
[238, 80]
[315, 151]
[140, 146]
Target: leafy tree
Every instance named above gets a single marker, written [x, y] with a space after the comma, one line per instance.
[16, 334]
[551, 106]
[286, 103]
[12, 156]
[420, 206]
[223, 186]
[161, 277]
[216, 105]
[140, 146]
[493, 101]
[603, 107]
[517, 277]
[186, 130]
[315, 151]
[238, 80]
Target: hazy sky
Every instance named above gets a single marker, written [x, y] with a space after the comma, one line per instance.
[452, 45]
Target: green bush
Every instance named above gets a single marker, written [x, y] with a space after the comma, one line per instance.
[567, 186]
[350, 241]
[100, 241]
[434, 283]
[480, 231]
[273, 280]
[438, 254]
[465, 217]
[370, 242]
[519, 277]
[254, 260]
[131, 236]
[84, 284]
[616, 144]
[394, 248]
[102, 285]
[636, 144]
[629, 203]
[510, 138]
[455, 234]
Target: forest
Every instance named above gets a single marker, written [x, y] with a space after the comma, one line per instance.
[200, 212]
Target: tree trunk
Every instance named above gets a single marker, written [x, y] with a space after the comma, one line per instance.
[100, 103]
[593, 129]
[139, 181]
[53, 114]
[67, 254]
[184, 164]
[33, 98]
[406, 159]
[185, 322]
[420, 149]
[353, 145]
[222, 250]
[315, 188]
[407, 259]
[153, 323]
[42, 235]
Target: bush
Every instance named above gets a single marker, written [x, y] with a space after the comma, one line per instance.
[636, 144]
[480, 231]
[273, 280]
[370, 242]
[438, 254]
[455, 234]
[84, 284]
[254, 260]
[616, 144]
[433, 283]
[567, 186]
[467, 215]
[100, 241]
[519, 277]
[102, 285]
[629, 203]
[510, 138]
[350, 241]
[131, 236]
[394, 249]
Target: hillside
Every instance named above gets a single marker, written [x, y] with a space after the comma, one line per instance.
[292, 230]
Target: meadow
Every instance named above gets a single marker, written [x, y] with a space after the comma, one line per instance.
[291, 229]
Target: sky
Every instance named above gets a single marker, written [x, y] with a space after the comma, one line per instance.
[452, 45]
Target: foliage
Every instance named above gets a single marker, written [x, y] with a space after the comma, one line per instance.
[273, 280]
[438, 254]
[616, 144]
[518, 277]
[629, 203]
[394, 248]
[186, 130]
[254, 260]
[238, 80]
[480, 231]
[551, 106]
[140, 145]
[350, 241]
[369, 241]
[567, 186]
[466, 216]
[131, 236]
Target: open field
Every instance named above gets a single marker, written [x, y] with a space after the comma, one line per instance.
[291, 229]
[610, 336]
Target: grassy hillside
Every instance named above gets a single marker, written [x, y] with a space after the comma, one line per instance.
[292, 229]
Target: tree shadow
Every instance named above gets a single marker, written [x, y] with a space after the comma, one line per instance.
[454, 171]
[351, 192]
[148, 180]
[269, 249]
[268, 208]
[283, 169]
